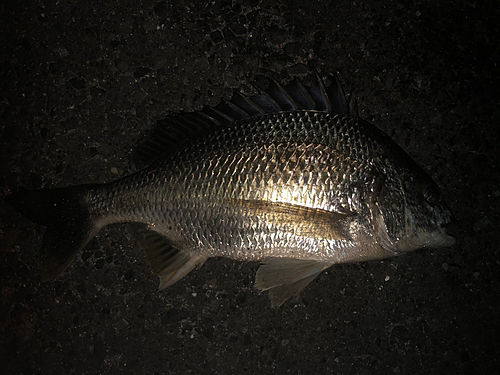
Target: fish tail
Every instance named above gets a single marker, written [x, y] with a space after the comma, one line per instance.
[69, 224]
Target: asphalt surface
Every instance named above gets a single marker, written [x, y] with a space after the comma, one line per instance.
[83, 82]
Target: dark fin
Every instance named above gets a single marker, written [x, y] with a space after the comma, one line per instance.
[286, 277]
[352, 106]
[305, 221]
[169, 263]
[275, 98]
[69, 225]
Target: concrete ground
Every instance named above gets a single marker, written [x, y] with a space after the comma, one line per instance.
[82, 82]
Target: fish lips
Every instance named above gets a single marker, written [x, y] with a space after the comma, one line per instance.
[425, 240]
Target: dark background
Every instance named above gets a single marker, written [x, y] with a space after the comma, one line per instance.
[82, 82]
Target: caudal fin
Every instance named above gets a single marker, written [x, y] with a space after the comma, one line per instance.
[69, 224]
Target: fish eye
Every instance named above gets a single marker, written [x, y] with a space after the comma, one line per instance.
[431, 194]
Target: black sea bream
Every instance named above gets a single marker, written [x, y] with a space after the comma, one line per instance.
[291, 178]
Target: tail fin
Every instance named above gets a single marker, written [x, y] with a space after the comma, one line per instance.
[69, 224]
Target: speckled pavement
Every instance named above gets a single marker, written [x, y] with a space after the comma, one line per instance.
[83, 82]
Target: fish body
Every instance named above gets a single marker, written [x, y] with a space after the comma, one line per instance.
[291, 178]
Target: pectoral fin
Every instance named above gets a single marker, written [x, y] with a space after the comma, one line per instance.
[169, 263]
[286, 277]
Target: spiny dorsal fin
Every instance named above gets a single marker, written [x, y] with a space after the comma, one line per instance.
[275, 98]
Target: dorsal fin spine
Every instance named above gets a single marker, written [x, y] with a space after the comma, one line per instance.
[324, 94]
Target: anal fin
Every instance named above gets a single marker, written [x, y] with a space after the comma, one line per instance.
[169, 263]
[286, 277]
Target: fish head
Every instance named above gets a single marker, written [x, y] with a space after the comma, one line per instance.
[408, 212]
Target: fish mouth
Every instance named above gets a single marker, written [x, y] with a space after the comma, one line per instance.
[443, 239]
[426, 240]
[449, 233]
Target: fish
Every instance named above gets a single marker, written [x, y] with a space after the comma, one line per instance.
[291, 177]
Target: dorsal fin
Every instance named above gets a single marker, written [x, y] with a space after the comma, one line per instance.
[275, 98]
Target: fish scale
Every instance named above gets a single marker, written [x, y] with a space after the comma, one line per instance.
[291, 177]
